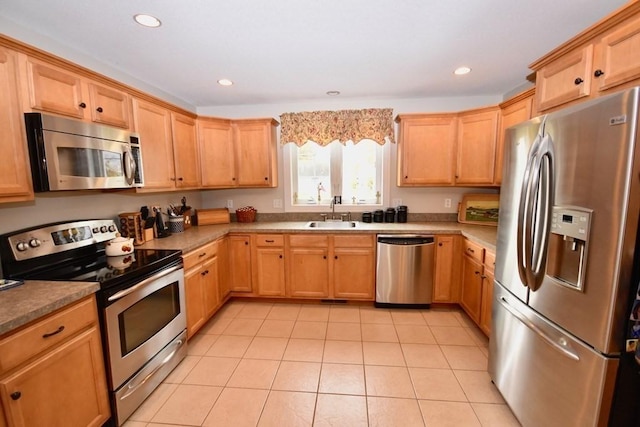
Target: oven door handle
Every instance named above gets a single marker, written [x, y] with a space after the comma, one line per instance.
[125, 292]
[133, 388]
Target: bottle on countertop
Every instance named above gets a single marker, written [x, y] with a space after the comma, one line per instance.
[402, 213]
[378, 216]
[390, 215]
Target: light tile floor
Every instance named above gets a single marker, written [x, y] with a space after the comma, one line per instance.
[263, 364]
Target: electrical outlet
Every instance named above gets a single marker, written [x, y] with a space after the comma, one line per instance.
[447, 203]
[277, 203]
[230, 204]
[396, 202]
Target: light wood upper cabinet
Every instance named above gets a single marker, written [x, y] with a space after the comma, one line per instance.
[426, 149]
[616, 56]
[476, 148]
[55, 90]
[255, 150]
[15, 176]
[516, 110]
[153, 123]
[185, 151]
[217, 156]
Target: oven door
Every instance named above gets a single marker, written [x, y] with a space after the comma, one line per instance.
[142, 319]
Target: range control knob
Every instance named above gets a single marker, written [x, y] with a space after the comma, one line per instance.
[34, 243]
[112, 228]
[22, 246]
[103, 229]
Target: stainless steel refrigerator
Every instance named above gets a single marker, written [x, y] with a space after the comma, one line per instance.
[566, 248]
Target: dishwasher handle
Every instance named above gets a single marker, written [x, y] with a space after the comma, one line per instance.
[412, 240]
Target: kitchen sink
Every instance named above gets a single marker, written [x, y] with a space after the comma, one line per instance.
[332, 224]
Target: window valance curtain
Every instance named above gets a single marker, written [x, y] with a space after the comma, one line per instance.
[324, 127]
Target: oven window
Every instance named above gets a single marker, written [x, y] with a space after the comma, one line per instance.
[145, 318]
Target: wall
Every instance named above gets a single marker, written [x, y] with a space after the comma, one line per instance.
[419, 200]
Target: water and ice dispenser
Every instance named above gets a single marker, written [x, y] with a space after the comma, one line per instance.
[568, 244]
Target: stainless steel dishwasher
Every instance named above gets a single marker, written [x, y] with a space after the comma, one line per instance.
[404, 270]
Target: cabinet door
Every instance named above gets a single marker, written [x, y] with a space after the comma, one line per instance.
[109, 106]
[185, 151]
[617, 56]
[566, 79]
[15, 177]
[240, 263]
[194, 300]
[487, 301]
[153, 123]
[308, 273]
[513, 114]
[217, 156]
[67, 384]
[55, 90]
[471, 288]
[223, 270]
[353, 273]
[426, 151]
[477, 137]
[447, 286]
[209, 273]
[270, 272]
[255, 151]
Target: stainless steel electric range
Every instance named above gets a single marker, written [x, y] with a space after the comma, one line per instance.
[141, 299]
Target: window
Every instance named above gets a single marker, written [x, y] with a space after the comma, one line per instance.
[353, 171]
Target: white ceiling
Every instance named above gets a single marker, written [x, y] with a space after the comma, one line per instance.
[293, 50]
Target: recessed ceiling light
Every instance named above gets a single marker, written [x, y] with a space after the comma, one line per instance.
[225, 82]
[333, 93]
[147, 20]
[462, 71]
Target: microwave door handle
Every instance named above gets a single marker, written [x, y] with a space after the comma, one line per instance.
[129, 167]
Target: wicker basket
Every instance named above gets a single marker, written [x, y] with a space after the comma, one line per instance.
[246, 214]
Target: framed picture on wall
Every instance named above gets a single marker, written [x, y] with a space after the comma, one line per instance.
[479, 209]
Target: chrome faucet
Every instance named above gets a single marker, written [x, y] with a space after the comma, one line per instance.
[332, 205]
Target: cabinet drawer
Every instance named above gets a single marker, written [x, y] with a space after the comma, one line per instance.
[269, 240]
[473, 250]
[22, 345]
[489, 261]
[354, 241]
[199, 255]
[306, 240]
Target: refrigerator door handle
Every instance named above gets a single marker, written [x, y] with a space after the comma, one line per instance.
[525, 214]
[559, 343]
[544, 187]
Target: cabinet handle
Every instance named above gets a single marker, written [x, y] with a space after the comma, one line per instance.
[477, 272]
[598, 73]
[269, 241]
[578, 81]
[173, 179]
[16, 395]
[99, 110]
[82, 105]
[204, 273]
[56, 332]
[483, 277]
[202, 254]
[470, 250]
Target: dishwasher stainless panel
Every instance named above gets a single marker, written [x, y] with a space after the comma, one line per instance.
[405, 270]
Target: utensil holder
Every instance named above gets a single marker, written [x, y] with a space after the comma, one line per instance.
[176, 224]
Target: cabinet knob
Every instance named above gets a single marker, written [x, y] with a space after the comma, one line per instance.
[406, 177]
[477, 272]
[82, 105]
[16, 395]
[181, 179]
[246, 243]
[335, 257]
[99, 110]
[598, 73]
[233, 179]
[280, 256]
[266, 178]
[324, 257]
[439, 244]
[578, 81]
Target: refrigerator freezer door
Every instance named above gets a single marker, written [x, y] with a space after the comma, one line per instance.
[547, 377]
[518, 142]
[594, 156]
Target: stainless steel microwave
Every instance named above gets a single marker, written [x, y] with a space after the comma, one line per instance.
[67, 154]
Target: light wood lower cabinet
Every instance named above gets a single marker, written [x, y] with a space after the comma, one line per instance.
[471, 296]
[487, 291]
[201, 278]
[308, 262]
[269, 262]
[64, 381]
[354, 267]
[446, 287]
[240, 263]
[477, 284]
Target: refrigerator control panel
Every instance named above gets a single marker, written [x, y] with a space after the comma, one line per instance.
[571, 222]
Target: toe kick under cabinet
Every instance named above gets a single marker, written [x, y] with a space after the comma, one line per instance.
[53, 369]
